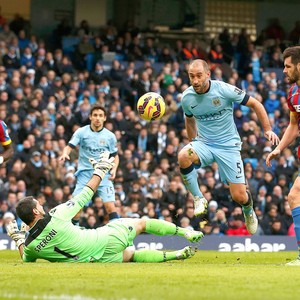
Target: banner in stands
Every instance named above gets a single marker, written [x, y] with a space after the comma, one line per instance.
[211, 242]
[221, 243]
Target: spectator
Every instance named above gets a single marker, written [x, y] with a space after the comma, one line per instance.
[236, 225]
[7, 34]
[84, 54]
[10, 60]
[294, 35]
[215, 56]
[34, 174]
[194, 221]
[275, 30]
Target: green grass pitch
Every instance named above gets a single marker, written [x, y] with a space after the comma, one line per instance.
[209, 275]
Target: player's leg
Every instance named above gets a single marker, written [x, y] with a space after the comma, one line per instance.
[121, 236]
[162, 228]
[188, 157]
[156, 256]
[232, 172]
[106, 192]
[111, 210]
[240, 195]
[294, 202]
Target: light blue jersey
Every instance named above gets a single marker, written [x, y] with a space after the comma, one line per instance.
[217, 138]
[91, 144]
[213, 112]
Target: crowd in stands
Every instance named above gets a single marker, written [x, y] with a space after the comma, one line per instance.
[46, 94]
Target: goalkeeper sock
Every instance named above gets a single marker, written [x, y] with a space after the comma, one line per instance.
[154, 256]
[190, 178]
[296, 218]
[161, 228]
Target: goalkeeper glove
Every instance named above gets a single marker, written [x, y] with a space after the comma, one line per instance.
[103, 165]
[17, 235]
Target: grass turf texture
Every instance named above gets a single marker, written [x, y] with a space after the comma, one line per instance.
[209, 275]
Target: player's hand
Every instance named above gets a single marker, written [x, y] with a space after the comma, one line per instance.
[272, 137]
[272, 155]
[17, 235]
[112, 174]
[63, 157]
[103, 165]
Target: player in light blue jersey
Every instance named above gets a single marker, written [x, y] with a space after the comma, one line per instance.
[208, 107]
[94, 139]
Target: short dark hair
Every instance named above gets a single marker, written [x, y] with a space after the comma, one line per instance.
[25, 208]
[294, 53]
[97, 106]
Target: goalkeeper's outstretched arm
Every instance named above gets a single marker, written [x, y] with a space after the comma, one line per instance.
[101, 167]
[18, 235]
[69, 209]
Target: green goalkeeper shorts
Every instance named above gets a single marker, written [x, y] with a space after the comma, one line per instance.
[121, 236]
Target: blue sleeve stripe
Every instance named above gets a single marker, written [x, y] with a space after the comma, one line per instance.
[189, 116]
[71, 145]
[245, 100]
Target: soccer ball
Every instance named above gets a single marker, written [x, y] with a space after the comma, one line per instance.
[151, 106]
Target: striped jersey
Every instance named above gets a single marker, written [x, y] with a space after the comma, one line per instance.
[293, 101]
[4, 136]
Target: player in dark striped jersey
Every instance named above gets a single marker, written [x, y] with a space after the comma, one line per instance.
[291, 70]
[6, 143]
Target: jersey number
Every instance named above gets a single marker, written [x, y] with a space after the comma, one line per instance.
[239, 168]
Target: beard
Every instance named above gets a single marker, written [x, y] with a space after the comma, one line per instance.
[294, 77]
[200, 89]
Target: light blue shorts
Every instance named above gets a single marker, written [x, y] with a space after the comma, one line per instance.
[229, 160]
[105, 190]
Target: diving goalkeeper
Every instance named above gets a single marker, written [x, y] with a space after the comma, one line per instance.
[53, 237]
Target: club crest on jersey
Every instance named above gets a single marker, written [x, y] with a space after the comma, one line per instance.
[297, 108]
[102, 142]
[216, 102]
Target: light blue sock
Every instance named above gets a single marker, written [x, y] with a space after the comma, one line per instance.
[190, 179]
[296, 218]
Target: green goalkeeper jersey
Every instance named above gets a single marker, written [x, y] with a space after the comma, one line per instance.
[56, 239]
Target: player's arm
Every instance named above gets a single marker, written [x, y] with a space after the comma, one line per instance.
[74, 141]
[68, 210]
[6, 144]
[289, 136]
[7, 153]
[66, 153]
[264, 120]
[113, 171]
[191, 128]
[16, 234]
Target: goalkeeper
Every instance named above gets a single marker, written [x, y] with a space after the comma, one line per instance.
[53, 236]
